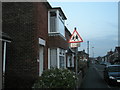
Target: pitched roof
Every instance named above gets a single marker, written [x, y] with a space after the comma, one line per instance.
[82, 52]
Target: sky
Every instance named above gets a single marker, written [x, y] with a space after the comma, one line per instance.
[96, 22]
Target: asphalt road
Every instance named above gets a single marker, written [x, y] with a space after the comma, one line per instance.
[93, 78]
[100, 68]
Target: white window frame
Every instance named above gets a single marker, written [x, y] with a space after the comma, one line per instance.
[57, 22]
[63, 51]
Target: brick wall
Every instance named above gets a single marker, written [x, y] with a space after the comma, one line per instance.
[67, 34]
[42, 28]
[57, 41]
[24, 23]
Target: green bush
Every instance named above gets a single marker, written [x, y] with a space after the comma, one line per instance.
[56, 78]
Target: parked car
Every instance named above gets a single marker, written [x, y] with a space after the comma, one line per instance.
[103, 63]
[112, 74]
[107, 63]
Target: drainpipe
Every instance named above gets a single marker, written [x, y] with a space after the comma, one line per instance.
[4, 61]
[4, 57]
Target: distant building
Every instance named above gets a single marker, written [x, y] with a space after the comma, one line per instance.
[82, 55]
[99, 59]
[108, 57]
[112, 56]
[116, 55]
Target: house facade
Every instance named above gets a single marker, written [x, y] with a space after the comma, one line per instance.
[27, 56]
[57, 40]
[39, 41]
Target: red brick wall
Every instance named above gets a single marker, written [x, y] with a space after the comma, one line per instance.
[24, 23]
[42, 28]
[67, 35]
[57, 41]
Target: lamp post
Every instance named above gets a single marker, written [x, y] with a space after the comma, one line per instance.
[93, 53]
[88, 53]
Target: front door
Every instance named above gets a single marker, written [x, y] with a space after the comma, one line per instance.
[41, 58]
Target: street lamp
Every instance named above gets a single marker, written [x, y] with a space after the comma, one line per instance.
[93, 51]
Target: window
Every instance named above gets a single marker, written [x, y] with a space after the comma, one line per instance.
[53, 58]
[61, 61]
[62, 58]
[53, 14]
[53, 21]
[70, 60]
[61, 27]
[56, 23]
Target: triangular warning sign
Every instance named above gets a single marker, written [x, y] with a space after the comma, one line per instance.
[75, 38]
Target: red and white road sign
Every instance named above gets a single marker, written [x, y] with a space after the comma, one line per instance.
[75, 38]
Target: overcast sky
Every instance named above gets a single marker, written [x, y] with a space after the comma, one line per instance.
[96, 22]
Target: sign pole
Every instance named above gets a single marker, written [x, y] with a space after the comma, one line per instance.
[76, 51]
[75, 40]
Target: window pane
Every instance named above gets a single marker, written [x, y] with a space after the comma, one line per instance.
[61, 61]
[53, 57]
[52, 24]
[61, 27]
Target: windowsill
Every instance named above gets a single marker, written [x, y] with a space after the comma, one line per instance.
[56, 34]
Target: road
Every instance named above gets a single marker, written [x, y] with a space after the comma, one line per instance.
[94, 78]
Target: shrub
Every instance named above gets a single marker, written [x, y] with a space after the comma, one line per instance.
[56, 78]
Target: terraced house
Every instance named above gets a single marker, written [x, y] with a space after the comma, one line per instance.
[38, 41]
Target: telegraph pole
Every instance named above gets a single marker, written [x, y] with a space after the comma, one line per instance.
[93, 54]
[88, 47]
[93, 51]
[88, 53]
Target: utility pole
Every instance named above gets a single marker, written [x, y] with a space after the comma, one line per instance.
[88, 53]
[88, 47]
[93, 51]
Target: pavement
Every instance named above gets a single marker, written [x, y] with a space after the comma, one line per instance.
[93, 79]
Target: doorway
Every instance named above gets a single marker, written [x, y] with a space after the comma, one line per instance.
[41, 59]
